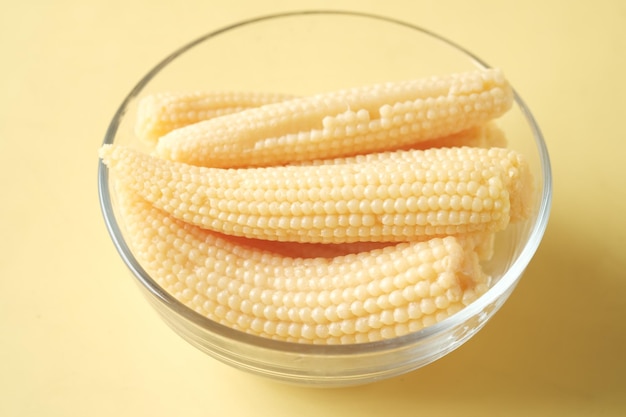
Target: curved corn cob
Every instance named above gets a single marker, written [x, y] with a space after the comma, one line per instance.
[391, 197]
[160, 113]
[353, 121]
[369, 296]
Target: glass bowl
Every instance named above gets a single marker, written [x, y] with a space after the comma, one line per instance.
[308, 52]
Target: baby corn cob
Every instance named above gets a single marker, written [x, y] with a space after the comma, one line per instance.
[389, 198]
[347, 122]
[369, 296]
[158, 114]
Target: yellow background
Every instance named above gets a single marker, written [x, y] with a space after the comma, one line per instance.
[78, 339]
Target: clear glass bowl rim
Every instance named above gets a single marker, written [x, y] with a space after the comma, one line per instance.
[508, 279]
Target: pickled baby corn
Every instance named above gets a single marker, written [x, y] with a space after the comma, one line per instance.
[393, 197]
[358, 120]
[364, 297]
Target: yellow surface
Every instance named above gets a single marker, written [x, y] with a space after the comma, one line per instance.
[78, 339]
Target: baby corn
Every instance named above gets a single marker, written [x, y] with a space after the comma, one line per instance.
[347, 122]
[392, 197]
[364, 297]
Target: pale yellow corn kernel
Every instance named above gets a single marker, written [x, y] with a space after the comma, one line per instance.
[246, 287]
[160, 113]
[346, 122]
[439, 191]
